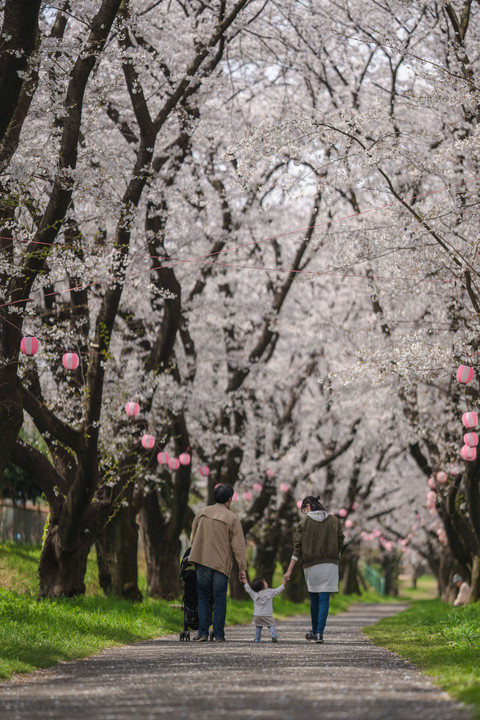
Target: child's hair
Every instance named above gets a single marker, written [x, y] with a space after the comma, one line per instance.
[257, 584]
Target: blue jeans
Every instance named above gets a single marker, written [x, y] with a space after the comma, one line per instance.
[211, 584]
[258, 632]
[319, 604]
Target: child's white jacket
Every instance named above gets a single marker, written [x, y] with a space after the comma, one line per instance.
[263, 600]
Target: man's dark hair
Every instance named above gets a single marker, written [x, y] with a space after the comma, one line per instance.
[222, 493]
[257, 584]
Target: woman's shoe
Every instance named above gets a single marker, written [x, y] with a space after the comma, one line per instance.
[311, 636]
[318, 638]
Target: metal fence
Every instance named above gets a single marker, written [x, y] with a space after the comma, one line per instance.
[373, 578]
[23, 525]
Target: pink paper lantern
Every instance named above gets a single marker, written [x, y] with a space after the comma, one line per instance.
[299, 504]
[348, 523]
[376, 533]
[184, 458]
[284, 487]
[148, 441]
[468, 453]
[163, 458]
[270, 473]
[470, 439]
[247, 495]
[470, 419]
[132, 409]
[465, 374]
[355, 506]
[431, 483]
[204, 471]
[174, 463]
[29, 345]
[235, 496]
[70, 361]
[454, 470]
[442, 476]
[257, 487]
[343, 512]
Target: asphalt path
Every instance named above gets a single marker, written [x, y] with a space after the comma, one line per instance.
[346, 678]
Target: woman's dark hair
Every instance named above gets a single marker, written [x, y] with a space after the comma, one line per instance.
[314, 503]
[257, 584]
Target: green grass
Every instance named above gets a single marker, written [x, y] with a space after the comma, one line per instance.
[38, 634]
[441, 640]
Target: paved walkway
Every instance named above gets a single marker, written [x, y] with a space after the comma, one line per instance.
[346, 678]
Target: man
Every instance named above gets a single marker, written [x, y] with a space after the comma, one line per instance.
[217, 537]
[463, 591]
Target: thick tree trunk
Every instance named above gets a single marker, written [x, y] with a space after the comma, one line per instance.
[124, 532]
[117, 553]
[390, 568]
[446, 568]
[296, 588]
[162, 554]
[62, 569]
[350, 583]
[163, 570]
[17, 42]
[475, 584]
[104, 562]
[11, 412]
[265, 562]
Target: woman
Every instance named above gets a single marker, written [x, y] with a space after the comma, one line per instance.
[318, 540]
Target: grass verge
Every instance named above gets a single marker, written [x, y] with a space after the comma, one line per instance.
[441, 640]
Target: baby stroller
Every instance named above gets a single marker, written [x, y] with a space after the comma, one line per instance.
[190, 599]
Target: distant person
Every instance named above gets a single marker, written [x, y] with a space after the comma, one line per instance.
[463, 594]
[217, 537]
[262, 597]
[318, 541]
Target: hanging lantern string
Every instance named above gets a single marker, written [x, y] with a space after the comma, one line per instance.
[330, 222]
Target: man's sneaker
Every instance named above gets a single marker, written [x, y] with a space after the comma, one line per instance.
[274, 639]
[319, 638]
[218, 639]
[200, 638]
[311, 636]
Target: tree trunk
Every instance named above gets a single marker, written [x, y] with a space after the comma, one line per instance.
[475, 584]
[117, 553]
[104, 562]
[390, 568]
[162, 554]
[350, 584]
[265, 562]
[296, 588]
[11, 412]
[237, 591]
[446, 566]
[62, 569]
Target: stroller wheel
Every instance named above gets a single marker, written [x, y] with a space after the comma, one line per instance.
[187, 636]
[182, 636]
[211, 635]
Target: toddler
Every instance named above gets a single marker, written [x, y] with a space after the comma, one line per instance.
[262, 597]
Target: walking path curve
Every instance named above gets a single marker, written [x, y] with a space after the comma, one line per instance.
[346, 678]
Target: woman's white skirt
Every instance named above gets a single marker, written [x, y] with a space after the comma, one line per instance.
[322, 577]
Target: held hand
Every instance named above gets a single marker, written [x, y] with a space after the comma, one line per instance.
[286, 578]
[242, 576]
